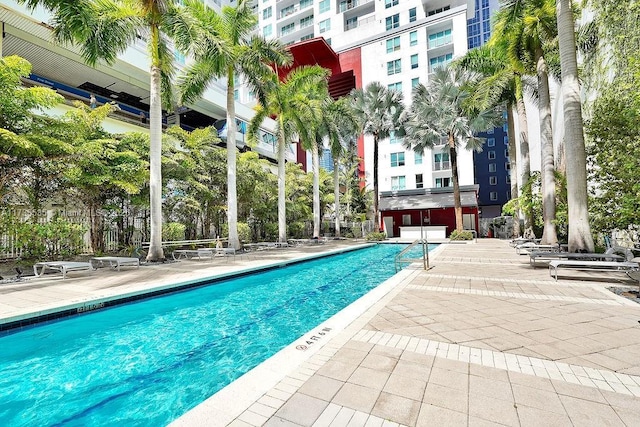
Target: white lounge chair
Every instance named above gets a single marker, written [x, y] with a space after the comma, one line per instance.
[550, 256]
[624, 266]
[61, 266]
[115, 262]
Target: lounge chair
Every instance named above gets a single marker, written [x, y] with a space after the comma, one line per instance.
[623, 266]
[114, 262]
[528, 247]
[61, 266]
[550, 256]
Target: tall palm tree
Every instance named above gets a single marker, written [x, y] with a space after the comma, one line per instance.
[378, 111]
[527, 26]
[106, 28]
[287, 101]
[499, 85]
[444, 109]
[226, 46]
[580, 237]
[345, 130]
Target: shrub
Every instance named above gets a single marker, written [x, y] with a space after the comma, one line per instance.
[58, 238]
[461, 235]
[173, 231]
[376, 236]
[244, 232]
[295, 229]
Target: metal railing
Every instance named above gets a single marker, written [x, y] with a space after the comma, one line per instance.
[402, 257]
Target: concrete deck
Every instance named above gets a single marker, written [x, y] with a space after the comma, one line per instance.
[482, 338]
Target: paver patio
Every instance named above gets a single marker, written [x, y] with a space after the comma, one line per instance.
[482, 338]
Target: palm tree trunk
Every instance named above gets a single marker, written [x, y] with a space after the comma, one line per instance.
[232, 194]
[453, 155]
[376, 214]
[580, 237]
[315, 158]
[155, 166]
[282, 214]
[336, 194]
[549, 236]
[513, 165]
[526, 162]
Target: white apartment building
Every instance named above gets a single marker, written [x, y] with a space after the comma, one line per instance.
[397, 43]
[27, 34]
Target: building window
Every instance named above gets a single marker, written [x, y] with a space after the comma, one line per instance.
[508, 194]
[415, 82]
[418, 158]
[506, 140]
[441, 161]
[491, 142]
[324, 25]
[393, 22]
[393, 139]
[440, 61]
[490, 131]
[506, 153]
[397, 159]
[412, 14]
[414, 61]
[398, 183]
[305, 3]
[439, 39]
[438, 10]
[397, 86]
[324, 6]
[251, 96]
[394, 67]
[508, 180]
[390, 3]
[505, 127]
[307, 37]
[443, 182]
[492, 167]
[306, 21]
[266, 30]
[507, 166]
[413, 38]
[289, 28]
[493, 195]
[266, 13]
[287, 11]
[393, 44]
[493, 180]
[236, 95]
[419, 183]
[491, 155]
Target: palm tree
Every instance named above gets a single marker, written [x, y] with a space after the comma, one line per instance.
[580, 237]
[345, 130]
[499, 85]
[226, 46]
[287, 101]
[526, 27]
[106, 28]
[444, 109]
[378, 111]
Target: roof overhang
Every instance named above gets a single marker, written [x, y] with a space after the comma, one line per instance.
[428, 198]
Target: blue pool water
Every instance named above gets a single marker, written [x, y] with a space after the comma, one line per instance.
[146, 363]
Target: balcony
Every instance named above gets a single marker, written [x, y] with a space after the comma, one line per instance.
[351, 4]
[441, 166]
[359, 23]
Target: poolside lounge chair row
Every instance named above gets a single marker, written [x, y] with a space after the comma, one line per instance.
[40, 268]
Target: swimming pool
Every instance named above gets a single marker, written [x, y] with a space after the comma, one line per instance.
[146, 363]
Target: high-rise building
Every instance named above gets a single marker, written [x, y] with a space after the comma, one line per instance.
[492, 168]
[399, 44]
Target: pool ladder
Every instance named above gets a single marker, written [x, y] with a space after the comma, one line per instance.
[402, 259]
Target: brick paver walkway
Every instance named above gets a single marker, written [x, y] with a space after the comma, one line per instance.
[481, 339]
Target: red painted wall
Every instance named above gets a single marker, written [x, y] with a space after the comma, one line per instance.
[441, 216]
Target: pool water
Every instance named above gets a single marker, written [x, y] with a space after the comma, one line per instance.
[146, 363]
